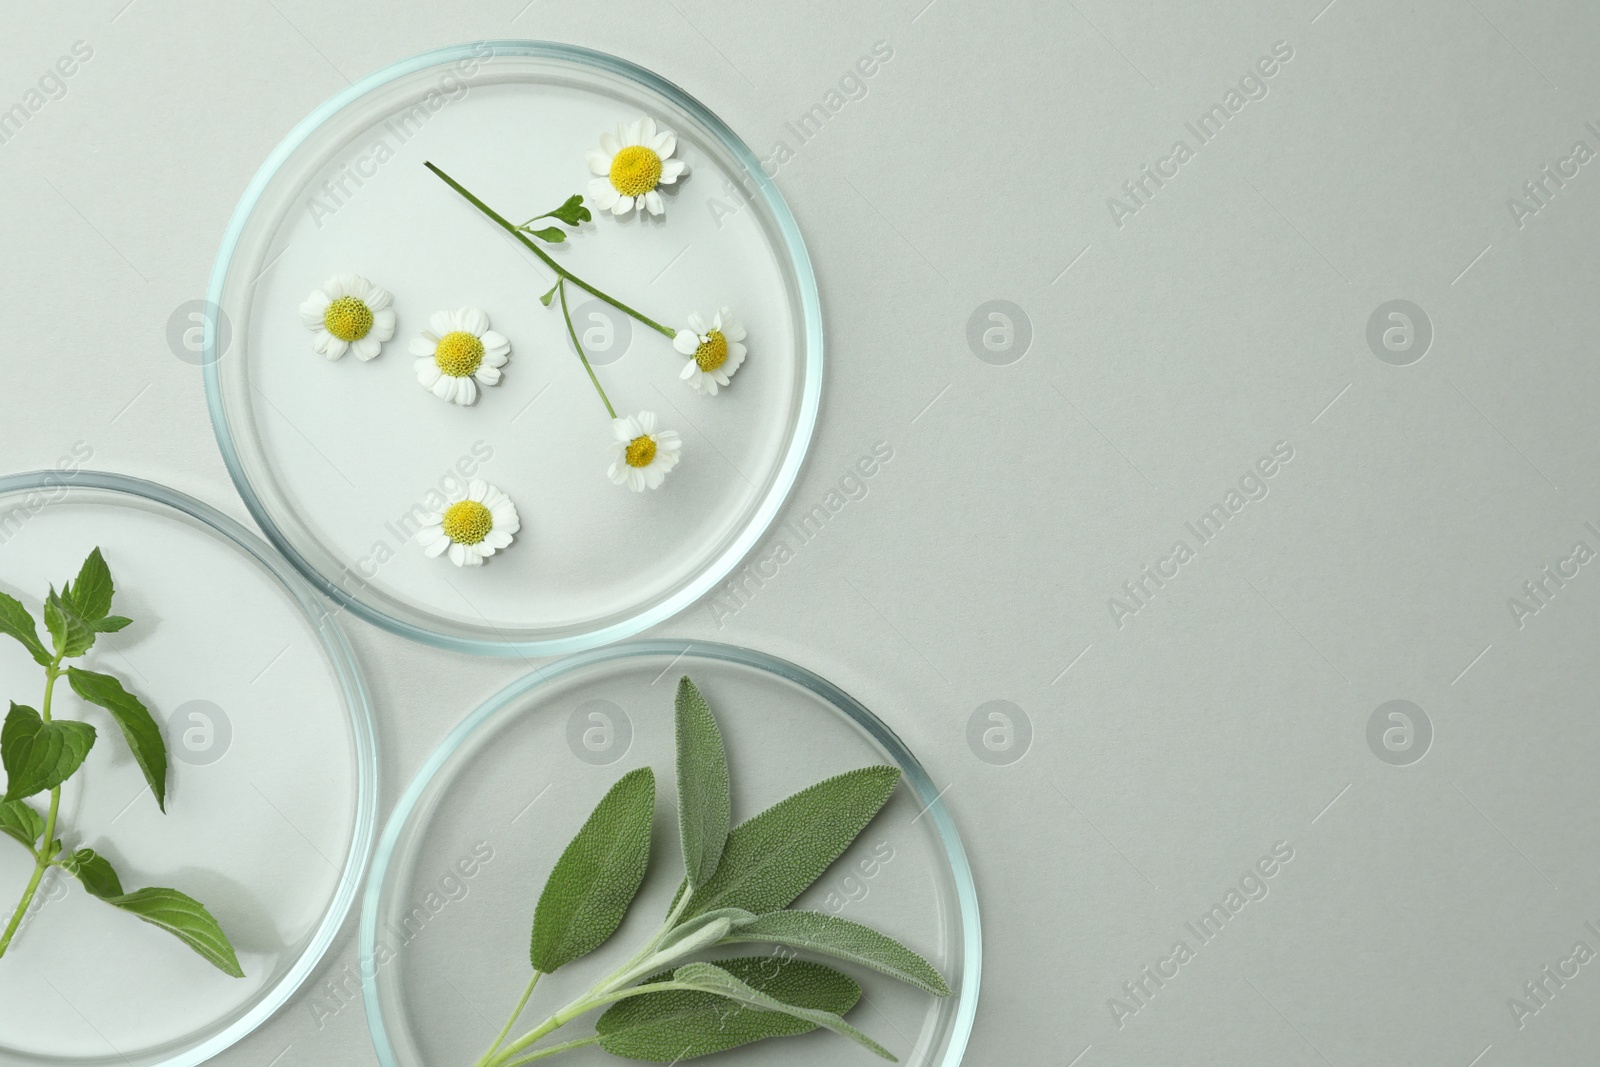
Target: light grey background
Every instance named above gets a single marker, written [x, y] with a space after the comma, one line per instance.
[1168, 354]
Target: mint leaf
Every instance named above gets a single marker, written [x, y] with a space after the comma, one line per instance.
[597, 876]
[139, 729]
[682, 1024]
[771, 859]
[95, 872]
[40, 755]
[110, 624]
[72, 635]
[845, 940]
[21, 822]
[702, 784]
[89, 596]
[572, 212]
[709, 978]
[15, 620]
[554, 234]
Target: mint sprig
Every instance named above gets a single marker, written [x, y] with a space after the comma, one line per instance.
[661, 1004]
[40, 752]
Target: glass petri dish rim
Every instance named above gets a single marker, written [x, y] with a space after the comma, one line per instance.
[853, 709]
[810, 314]
[352, 688]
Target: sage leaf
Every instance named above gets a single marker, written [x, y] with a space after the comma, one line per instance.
[89, 596]
[553, 234]
[139, 728]
[40, 755]
[737, 918]
[710, 978]
[703, 795]
[16, 621]
[682, 1024]
[772, 858]
[598, 875]
[845, 940]
[72, 636]
[21, 822]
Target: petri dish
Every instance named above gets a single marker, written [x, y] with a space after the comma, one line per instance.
[338, 460]
[447, 912]
[271, 782]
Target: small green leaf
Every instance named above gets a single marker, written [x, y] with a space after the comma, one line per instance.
[572, 212]
[553, 234]
[40, 755]
[845, 940]
[89, 596]
[551, 295]
[72, 636]
[702, 785]
[139, 728]
[21, 822]
[737, 919]
[110, 624]
[15, 620]
[597, 876]
[681, 1024]
[95, 872]
[710, 978]
[771, 859]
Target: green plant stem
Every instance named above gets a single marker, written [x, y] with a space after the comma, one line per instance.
[516, 1014]
[561, 288]
[566, 1046]
[603, 992]
[42, 855]
[561, 271]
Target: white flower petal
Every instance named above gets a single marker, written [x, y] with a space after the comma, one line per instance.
[610, 145]
[646, 421]
[440, 321]
[672, 170]
[663, 143]
[444, 387]
[367, 347]
[599, 161]
[435, 549]
[383, 324]
[422, 346]
[458, 554]
[475, 321]
[428, 372]
[466, 391]
[623, 205]
[652, 201]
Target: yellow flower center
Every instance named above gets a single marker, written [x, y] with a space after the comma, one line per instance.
[347, 318]
[713, 351]
[467, 522]
[640, 451]
[459, 354]
[635, 170]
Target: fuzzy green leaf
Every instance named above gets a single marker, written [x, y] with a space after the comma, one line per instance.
[16, 621]
[702, 785]
[72, 636]
[845, 940]
[572, 212]
[139, 728]
[175, 912]
[681, 1024]
[89, 596]
[40, 755]
[737, 918]
[597, 876]
[21, 822]
[553, 234]
[772, 858]
[710, 978]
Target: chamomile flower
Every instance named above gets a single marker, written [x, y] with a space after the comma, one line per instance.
[348, 312]
[458, 353]
[631, 164]
[473, 528]
[643, 454]
[714, 348]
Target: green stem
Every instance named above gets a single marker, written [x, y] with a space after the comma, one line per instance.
[41, 860]
[561, 288]
[515, 1015]
[566, 1046]
[542, 254]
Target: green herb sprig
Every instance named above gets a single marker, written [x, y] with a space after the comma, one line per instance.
[41, 751]
[663, 1006]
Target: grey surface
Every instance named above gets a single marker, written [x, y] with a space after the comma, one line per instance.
[1167, 355]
